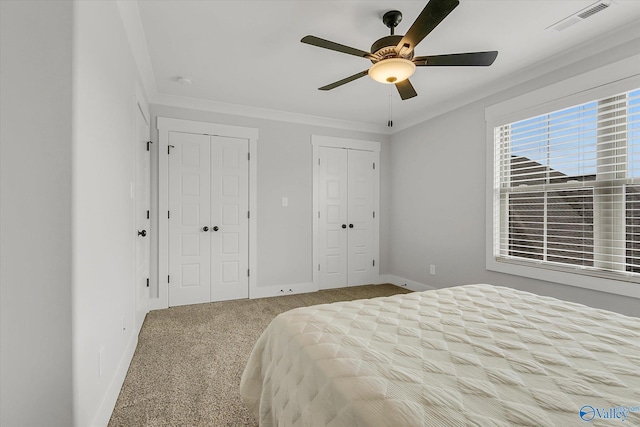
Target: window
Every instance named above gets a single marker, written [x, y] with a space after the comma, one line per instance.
[567, 189]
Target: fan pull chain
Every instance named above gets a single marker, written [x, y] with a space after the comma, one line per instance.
[390, 121]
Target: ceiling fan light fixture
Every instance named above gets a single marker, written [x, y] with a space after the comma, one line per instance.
[392, 70]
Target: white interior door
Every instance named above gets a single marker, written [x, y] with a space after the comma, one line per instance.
[229, 218]
[209, 223]
[189, 219]
[141, 216]
[333, 217]
[346, 217]
[360, 251]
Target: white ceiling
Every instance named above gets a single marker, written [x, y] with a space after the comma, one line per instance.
[249, 52]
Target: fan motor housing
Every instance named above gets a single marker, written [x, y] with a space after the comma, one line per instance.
[386, 47]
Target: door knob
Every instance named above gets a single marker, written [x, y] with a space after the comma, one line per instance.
[215, 228]
[142, 233]
[344, 225]
[205, 228]
[350, 225]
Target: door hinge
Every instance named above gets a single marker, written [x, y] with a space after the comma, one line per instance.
[374, 165]
[374, 214]
[247, 272]
[318, 267]
[318, 162]
[147, 214]
[169, 147]
[147, 282]
[168, 214]
[248, 214]
[248, 156]
[148, 143]
[318, 214]
[168, 279]
[374, 262]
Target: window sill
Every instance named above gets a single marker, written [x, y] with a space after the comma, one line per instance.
[612, 286]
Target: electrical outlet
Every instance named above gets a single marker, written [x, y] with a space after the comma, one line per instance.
[432, 269]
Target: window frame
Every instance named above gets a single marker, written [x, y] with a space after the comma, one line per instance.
[597, 84]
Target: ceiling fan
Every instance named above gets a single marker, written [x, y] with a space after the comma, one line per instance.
[393, 56]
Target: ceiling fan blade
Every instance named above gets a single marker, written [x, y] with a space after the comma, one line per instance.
[406, 90]
[481, 59]
[343, 81]
[326, 44]
[432, 14]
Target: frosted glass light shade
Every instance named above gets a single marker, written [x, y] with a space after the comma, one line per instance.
[392, 70]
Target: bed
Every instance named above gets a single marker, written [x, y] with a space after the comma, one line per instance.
[473, 355]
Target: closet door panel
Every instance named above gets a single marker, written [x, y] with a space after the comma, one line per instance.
[360, 251]
[229, 217]
[189, 204]
[333, 205]
[209, 224]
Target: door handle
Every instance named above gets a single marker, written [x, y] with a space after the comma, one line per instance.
[215, 228]
[344, 225]
[142, 233]
[205, 228]
[350, 225]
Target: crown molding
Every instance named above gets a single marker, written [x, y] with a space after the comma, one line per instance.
[266, 113]
[611, 47]
[132, 22]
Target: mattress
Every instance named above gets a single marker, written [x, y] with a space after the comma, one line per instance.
[474, 355]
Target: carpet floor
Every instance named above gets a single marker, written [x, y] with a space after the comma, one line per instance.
[187, 366]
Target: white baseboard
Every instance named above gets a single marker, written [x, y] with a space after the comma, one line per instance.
[279, 290]
[405, 283]
[109, 402]
[301, 288]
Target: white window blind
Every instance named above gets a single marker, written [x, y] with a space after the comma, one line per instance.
[567, 189]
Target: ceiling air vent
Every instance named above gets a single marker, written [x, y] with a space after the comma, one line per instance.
[580, 15]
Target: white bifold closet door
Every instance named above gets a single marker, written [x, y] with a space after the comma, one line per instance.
[208, 218]
[346, 217]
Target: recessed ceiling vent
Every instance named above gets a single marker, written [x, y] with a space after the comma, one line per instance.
[581, 15]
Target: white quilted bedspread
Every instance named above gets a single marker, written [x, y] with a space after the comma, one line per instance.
[475, 355]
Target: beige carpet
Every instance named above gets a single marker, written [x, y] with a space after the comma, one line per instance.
[187, 367]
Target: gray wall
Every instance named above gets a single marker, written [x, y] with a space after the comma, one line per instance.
[35, 220]
[284, 169]
[68, 111]
[437, 190]
[104, 234]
